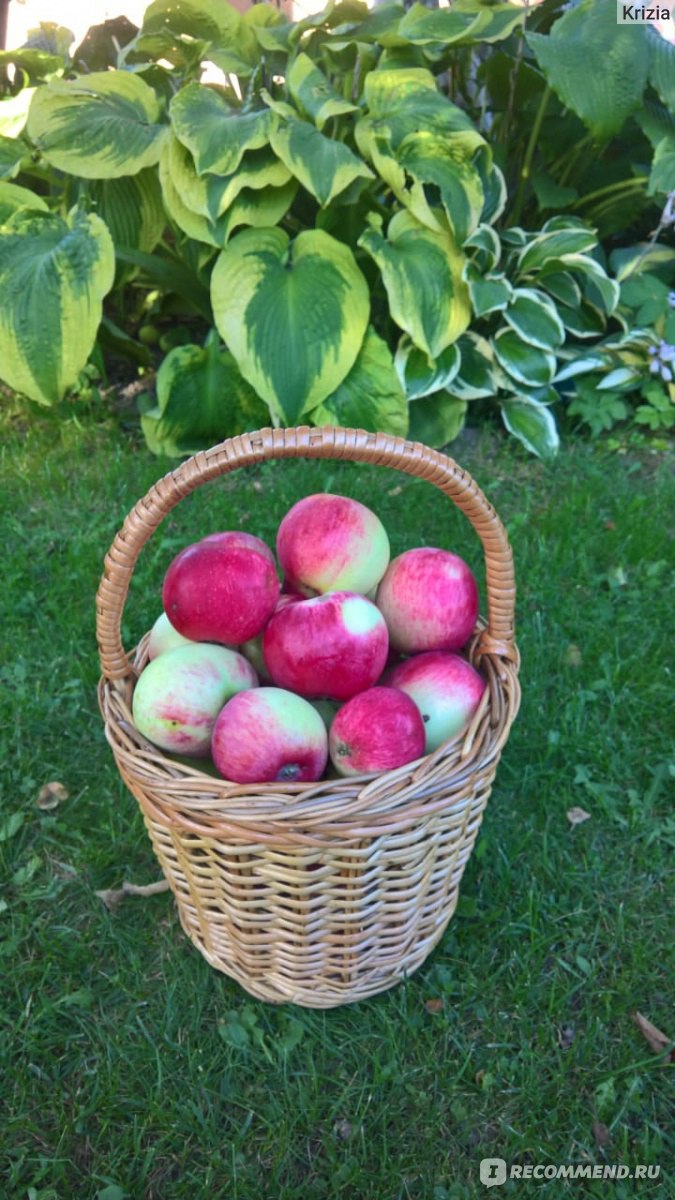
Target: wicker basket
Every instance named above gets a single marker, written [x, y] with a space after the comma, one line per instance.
[325, 893]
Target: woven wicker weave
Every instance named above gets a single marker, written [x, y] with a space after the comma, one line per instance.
[323, 893]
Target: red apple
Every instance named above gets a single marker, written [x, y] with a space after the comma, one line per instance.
[331, 646]
[429, 599]
[267, 736]
[252, 649]
[446, 689]
[330, 543]
[222, 589]
[179, 695]
[378, 730]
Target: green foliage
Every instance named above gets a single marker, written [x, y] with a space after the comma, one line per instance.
[337, 209]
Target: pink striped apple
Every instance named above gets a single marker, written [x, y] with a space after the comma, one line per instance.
[429, 599]
[378, 730]
[331, 646]
[252, 649]
[269, 735]
[446, 689]
[179, 695]
[328, 543]
[222, 589]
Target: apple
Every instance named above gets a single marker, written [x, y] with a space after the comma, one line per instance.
[446, 689]
[429, 599]
[378, 730]
[269, 735]
[179, 695]
[252, 649]
[164, 637]
[331, 646]
[222, 589]
[328, 543]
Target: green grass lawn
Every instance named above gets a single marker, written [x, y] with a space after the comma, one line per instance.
[135, 1070]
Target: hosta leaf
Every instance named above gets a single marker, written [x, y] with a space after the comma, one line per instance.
[50, 38]
[101, 44]
[421, 375]
[436, 420]
[381, 25]
[662, 174]
[546, 246]
[131, 208]
[623, 378]
[325, 167]
[98, 126]
[597, 67]
[446, 162]
[211, 195]
[580, 366]
[54, 274]
[526, 364]
[13, 198]
[644, 256]
[312, 92]
[12, 150]
[205, 20]
[563, 287]
[605, 290]
[422, 273]
[486, 246]
[14, 112]
[370, 396]
[535, 318]
[533, 425]
[489, 293]
[423, 26]
[36, 63]
[494, 191]
[294, 314]
[584, 320]
[216, 134]
[496, 22]
[201, 400]
[405, 100]
[476, 377]
[662, 67]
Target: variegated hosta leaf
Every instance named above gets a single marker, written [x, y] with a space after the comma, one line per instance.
[210, 21]
[494, 190]
[131, 208]
[412, 94]
[489, 293]
[53, 277]
[535, 318]
[563, 287]
[444, 162]
[533, 424]
[584, 320]
[12, 151]
[294, 314]
[325, 167]
[525, 363]
[486, 248]
[496, 22]
[201, 400]
[98, 126]
[423, 26]
[216, 134]
[550, 245]
[13, 198]
[421, 375]
[211, 195]
[259, 208]
[422, 273]
[476, 377]
[662, 174]
[436, 420]
[14, 111]
[370, 396]
[381, 26]
[597, 285]
[312, 92]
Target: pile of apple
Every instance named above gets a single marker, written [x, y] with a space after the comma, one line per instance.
[353, 659]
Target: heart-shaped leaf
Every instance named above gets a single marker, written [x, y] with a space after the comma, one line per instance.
[436, 420]
[476, 376]
[489, 293]
[422, 273]
[421, 375]
[98, 126]
[534, 316]
[131, 208]
[201, 400]
[525, 363]
[312, 92]
[54, 274]
[533, 424]
[325, 167]
[294, 314]
[216, 133]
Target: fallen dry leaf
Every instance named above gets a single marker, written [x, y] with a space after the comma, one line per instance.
[257, 485]
[573, 655]
[609, 525]
[343, 1129]
[395, 491]
[51, 795]
[435, 1005]
[657, 1040]
[479, 1077]
[111, 896]
[577, 816]
[600, 1133]
[565, 1036]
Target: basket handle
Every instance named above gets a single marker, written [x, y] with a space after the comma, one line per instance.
[377, 449]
